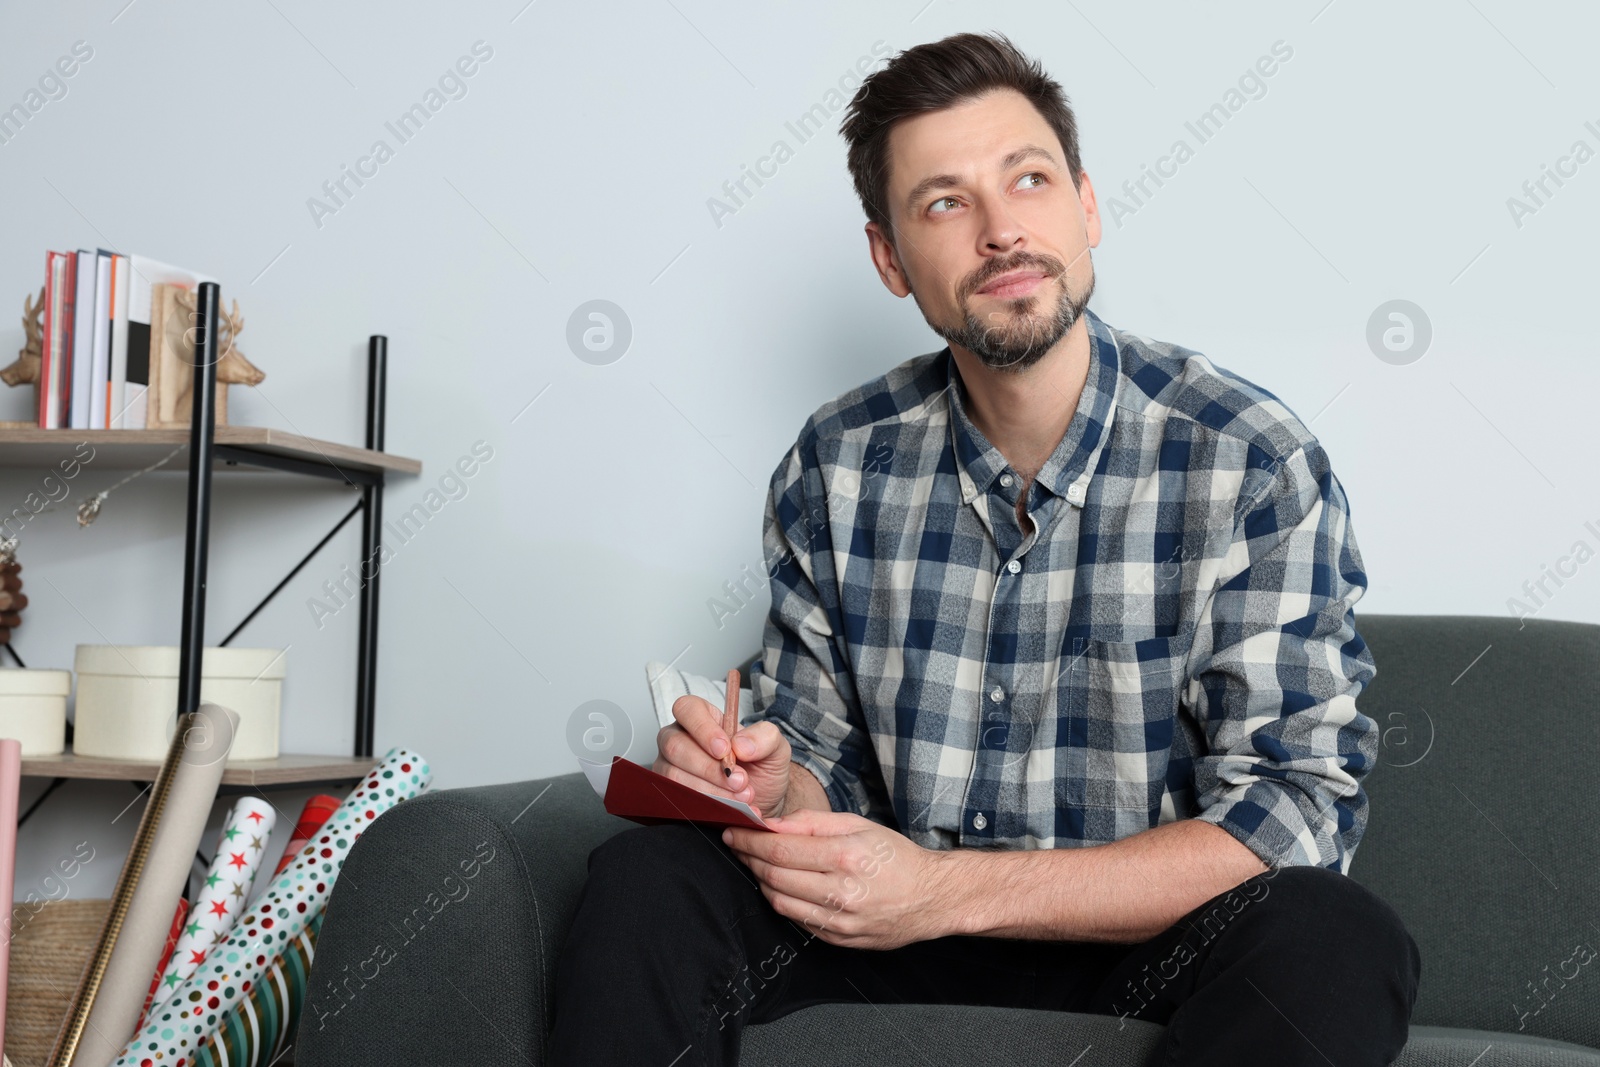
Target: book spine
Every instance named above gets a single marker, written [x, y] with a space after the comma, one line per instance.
[83, 341]
[116, 412]
[100, 368]
[69, 338]
[46, 365]
[59, 343]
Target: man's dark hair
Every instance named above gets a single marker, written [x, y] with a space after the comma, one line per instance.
[934, 76]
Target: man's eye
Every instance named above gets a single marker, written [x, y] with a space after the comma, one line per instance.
[934, 207]
[1035, 174]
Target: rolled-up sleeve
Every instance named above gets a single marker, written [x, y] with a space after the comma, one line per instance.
[1275, 690]
[804, 684]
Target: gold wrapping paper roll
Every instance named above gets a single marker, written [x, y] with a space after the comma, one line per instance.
[111, 993]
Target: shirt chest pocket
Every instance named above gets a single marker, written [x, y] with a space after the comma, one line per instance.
[1119, 703]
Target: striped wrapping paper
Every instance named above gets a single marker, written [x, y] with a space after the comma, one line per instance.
[255, 1032]
[175, 1032]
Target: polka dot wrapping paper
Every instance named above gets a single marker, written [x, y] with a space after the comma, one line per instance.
[317, 810]
[175, 1032]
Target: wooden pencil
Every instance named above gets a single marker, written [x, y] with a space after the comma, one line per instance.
[730, 719]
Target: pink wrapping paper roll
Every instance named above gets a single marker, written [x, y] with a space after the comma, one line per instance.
[10, 785]
[176, 1031]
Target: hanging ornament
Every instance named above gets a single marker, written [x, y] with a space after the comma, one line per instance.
[89, 507]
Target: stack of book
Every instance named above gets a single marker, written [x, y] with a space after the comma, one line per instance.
[94, 371]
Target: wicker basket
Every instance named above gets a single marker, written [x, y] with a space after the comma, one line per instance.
[48, 954]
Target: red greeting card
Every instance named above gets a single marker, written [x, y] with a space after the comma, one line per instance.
[642, 795]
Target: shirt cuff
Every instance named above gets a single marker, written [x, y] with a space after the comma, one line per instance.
[1267, 821]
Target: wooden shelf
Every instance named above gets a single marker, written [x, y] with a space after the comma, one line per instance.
[135, 449]
[287, 769]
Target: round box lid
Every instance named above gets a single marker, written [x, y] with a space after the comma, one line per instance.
[161, 661]
[17, 681]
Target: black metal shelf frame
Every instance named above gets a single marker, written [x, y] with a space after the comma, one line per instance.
[203, 451]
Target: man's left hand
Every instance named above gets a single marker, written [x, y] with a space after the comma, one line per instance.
[849, 880]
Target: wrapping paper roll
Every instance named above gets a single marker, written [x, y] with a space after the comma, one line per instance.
[175, 1031]
[179, 915]
[258, 1028]
[316, 811]
[10, 787]
[229, 886]
[106, 1009]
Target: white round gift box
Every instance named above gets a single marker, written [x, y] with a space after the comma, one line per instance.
[128, 699]
[33, 709]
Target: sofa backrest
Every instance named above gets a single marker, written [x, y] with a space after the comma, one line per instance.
[1481, 824]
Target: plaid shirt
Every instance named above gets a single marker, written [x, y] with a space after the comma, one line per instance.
[1173, 638]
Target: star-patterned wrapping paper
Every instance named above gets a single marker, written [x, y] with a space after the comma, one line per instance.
[174, 1032]
[180, 915]
[241, 846]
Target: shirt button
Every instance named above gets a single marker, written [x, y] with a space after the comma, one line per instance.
[1075, 493]
[1014, 566]
[997, 694]
[1005, 480]
[979, 822]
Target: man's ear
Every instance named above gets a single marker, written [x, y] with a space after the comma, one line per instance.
[886, 259]
[1091, 209]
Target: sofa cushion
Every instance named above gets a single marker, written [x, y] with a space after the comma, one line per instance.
[946, 1035]
[925, 1035]
[1479, 830]
[1444, 1046]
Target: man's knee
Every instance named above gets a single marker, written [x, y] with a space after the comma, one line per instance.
[662, 893]
[658, 859]
[1319, 902]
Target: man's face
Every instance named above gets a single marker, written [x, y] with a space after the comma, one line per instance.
[991, 237]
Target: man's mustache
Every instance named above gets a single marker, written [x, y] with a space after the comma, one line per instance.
[1051, 267]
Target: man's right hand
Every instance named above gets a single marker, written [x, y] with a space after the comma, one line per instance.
[690, 751]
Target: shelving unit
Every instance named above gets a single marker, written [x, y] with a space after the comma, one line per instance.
[237, 448]
[297, 770]
[234, 447]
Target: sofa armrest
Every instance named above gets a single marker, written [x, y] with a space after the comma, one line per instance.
[441, 936]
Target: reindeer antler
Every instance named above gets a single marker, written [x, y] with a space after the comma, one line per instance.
[233, 367]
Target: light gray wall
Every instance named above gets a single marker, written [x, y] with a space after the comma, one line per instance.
[1376, 165]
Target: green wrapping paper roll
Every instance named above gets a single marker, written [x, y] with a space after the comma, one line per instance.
[259, 1027]
[175, 1032]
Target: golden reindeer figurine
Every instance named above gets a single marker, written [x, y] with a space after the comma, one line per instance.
[26, 367]
[233, 368]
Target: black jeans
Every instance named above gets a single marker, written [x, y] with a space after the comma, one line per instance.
[674, 949]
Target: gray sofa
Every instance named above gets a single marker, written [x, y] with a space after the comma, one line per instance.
[1478, 835]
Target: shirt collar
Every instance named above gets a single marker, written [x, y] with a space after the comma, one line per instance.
[1068, 470]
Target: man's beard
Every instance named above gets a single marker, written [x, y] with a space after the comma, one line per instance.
[1018, 337]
